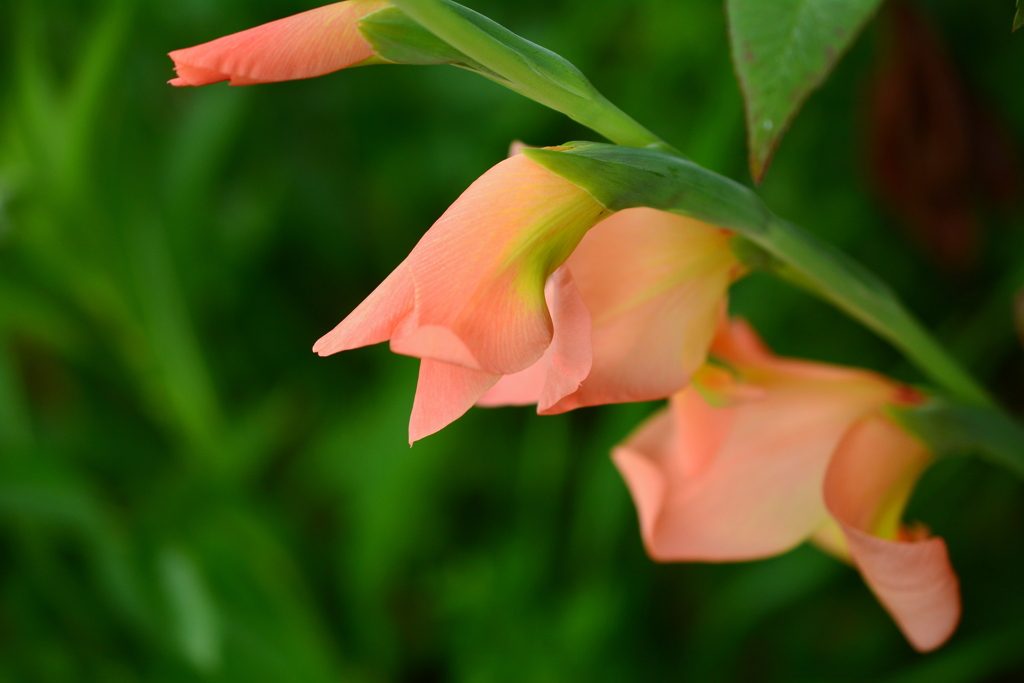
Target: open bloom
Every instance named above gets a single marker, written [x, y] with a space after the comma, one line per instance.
[483, 295]
[655, 285]
[305, 45]
[771, 452]
[504, 304]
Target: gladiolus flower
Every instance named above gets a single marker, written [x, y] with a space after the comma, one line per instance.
[655, 285]
[304, 45]
[483, 295]
[763, 454]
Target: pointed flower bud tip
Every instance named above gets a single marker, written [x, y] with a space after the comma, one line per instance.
[305, 45]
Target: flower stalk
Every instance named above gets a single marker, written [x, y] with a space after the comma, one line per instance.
[529, 69]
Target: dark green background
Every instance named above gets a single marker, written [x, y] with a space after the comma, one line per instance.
[188, 494]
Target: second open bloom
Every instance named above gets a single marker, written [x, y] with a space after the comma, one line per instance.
[770, 452]
[502, 287]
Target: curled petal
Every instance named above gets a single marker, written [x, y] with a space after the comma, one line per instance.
[479, 273]
[567, 360]
[655, 284]
[305, 45]
[376, 318]
[866, 488]
[740, 482]
[743, 479]
[443, 394]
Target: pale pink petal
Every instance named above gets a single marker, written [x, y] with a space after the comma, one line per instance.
[868, 483]
[567, 360]
[743, 481]
[374, 320]
[479, 272]
[309, 44]
[655, 284]
[443, 394]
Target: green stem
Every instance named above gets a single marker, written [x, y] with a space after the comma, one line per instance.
[534, 72]
[833, 276]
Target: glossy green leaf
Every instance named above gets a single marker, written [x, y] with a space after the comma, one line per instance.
[782, 51]
[625, 177]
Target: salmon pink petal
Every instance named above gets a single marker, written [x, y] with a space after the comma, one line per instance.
[309, 44]
[866, 489]
[443, 394]
[743, 481]
[565, 363]
[655, 284]
[743, 478]
[376, 318]
[479, 273]
[521, 388]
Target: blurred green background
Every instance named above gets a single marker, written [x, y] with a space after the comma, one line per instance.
[187, 493]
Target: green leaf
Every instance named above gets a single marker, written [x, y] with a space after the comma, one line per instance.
[1018, 18]
[782, 51]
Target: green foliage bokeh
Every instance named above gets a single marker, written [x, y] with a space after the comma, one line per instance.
[187, 493]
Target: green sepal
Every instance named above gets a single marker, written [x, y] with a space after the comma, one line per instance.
[626, 177]
[955, 429]
[398, 39]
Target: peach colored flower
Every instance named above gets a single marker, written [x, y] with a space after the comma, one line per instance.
[304, 45]
[763, 453]
[655, 285]
[482, 294]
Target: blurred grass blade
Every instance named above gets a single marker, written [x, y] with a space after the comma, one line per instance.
[756, 593]
[195, 616]
[15, 424]
[205, 137]
[35, 94]
[981, 658]
[783, 50]
[527, 68]
[96, 66]
[1018, 17]
[28, 314]
[34, 490]
[182, 383]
